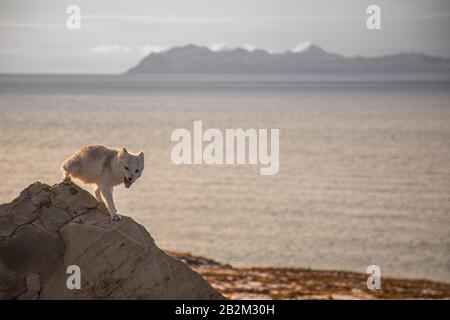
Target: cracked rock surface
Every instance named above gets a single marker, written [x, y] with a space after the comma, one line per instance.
[47, 229]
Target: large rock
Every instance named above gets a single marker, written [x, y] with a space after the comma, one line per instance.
[47, 229]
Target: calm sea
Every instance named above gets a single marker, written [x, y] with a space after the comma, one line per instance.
[364, 165]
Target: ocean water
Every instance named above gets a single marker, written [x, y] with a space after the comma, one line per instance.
[364, 165]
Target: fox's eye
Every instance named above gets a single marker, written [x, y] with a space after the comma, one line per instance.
[137, 170]
[126, 168]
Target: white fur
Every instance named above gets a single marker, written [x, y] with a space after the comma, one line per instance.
[105, 168]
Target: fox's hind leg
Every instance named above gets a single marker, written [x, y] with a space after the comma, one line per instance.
[67, 179]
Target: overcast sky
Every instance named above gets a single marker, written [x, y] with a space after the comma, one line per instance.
[115, 35]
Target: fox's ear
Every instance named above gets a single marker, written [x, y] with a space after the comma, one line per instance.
[141, 155]
[122, 153]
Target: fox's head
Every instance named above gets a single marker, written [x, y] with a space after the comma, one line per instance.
[131, 166]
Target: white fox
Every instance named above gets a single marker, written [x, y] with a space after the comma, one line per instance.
[105, 168]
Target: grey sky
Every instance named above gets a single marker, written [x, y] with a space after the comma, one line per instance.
[117, 34]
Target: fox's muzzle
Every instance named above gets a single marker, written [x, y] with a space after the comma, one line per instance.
[127, 182]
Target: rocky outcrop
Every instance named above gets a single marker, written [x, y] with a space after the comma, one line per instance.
[47, 229]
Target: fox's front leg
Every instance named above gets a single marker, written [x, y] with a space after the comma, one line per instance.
[98, 194]
[107, 194]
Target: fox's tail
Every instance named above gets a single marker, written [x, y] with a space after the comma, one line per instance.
[70, 165]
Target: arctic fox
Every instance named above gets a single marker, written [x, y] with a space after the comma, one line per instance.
[105, 168]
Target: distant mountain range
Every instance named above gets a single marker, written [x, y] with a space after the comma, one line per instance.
[313, 59]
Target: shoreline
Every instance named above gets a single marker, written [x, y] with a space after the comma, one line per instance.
[297, 283]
